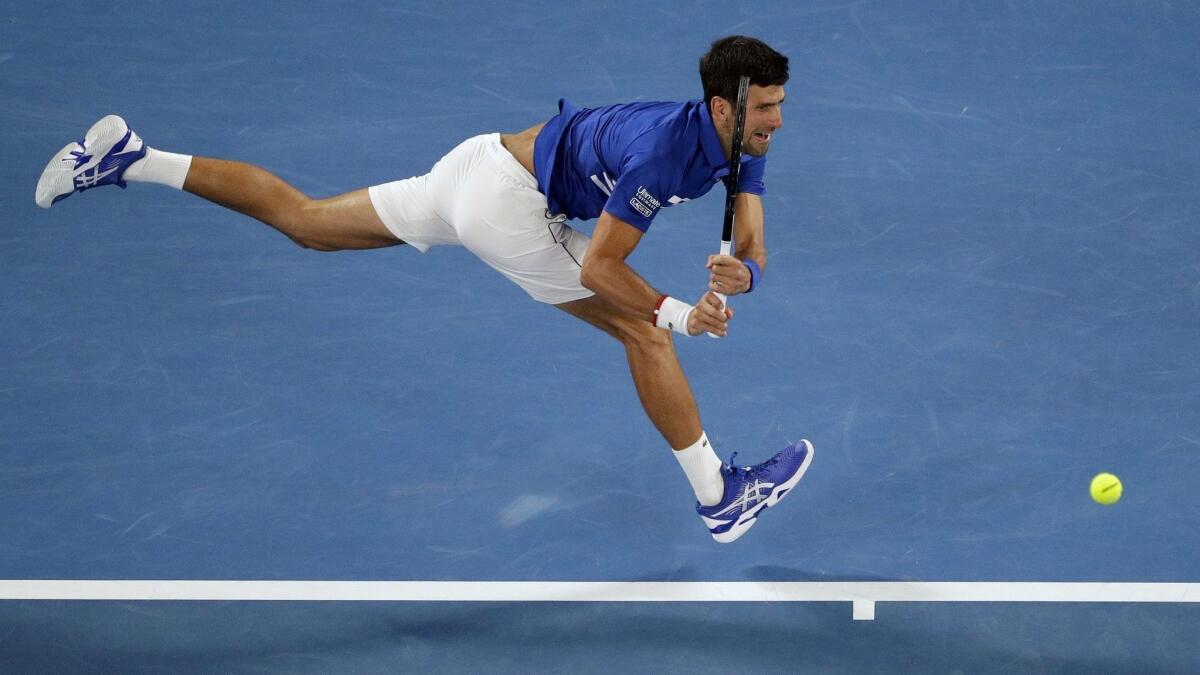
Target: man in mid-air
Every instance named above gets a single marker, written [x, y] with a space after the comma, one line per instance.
[507, 198]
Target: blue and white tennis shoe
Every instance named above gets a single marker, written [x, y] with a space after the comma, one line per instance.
[750, 489]
[101, 158]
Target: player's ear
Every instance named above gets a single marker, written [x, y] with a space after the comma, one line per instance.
[719, 108]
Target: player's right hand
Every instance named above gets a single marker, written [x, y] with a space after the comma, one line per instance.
[710, 316]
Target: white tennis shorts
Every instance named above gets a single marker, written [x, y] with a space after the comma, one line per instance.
[479, 196]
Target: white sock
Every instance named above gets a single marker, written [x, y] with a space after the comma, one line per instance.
[703, 469]
[165, 168]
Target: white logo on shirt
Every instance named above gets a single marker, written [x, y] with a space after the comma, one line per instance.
[644, 202]
[647, 198]
[605, 184]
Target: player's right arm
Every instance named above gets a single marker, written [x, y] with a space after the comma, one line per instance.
[607, 274]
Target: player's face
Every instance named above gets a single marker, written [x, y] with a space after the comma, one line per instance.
[764, 116]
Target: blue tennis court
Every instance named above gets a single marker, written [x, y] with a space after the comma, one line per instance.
[984, 288]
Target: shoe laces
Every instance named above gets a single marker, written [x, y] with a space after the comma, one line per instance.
[732, 468]
[81, 156]
[750, 470]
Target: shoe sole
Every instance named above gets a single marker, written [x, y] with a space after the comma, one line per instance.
[749, 518]
[57, 181]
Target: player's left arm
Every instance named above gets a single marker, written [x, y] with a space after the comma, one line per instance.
[729, 274]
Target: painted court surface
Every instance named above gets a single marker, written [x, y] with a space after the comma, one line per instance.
[983, 288]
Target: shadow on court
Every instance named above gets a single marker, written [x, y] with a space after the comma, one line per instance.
[582, 637]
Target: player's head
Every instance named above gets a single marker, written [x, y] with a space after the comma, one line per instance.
[726, 61]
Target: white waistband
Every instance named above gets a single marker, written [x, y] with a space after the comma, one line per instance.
[507, 162]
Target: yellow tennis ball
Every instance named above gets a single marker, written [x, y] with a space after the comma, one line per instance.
[1106, 488]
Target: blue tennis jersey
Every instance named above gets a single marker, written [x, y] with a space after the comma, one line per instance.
[633, 159]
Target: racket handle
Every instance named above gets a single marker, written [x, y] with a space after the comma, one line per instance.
[726, 249]
[722, 297]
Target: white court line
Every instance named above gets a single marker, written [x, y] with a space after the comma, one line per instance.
[863, 594]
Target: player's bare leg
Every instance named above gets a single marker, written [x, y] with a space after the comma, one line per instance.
[661, 384]
[347, 221]
[743, 492]
[110, 154]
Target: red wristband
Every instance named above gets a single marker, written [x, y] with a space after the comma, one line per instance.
[654, 316]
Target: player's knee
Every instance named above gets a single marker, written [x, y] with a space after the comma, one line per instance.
[312, 243]
[315, 245]
[645, 336]
[308, 227]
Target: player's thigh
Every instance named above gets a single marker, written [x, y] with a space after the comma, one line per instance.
[349, 219]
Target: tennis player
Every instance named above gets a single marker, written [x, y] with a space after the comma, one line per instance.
[508, 199]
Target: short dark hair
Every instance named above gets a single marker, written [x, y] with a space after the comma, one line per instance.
[731, 57]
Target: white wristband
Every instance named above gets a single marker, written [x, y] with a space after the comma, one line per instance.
[673, 315]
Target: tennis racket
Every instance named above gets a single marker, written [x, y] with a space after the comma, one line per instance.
[735, 170]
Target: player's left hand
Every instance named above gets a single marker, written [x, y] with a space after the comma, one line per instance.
[728, 275]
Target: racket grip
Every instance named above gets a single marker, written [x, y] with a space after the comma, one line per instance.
[726, 249]
[722, 297]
